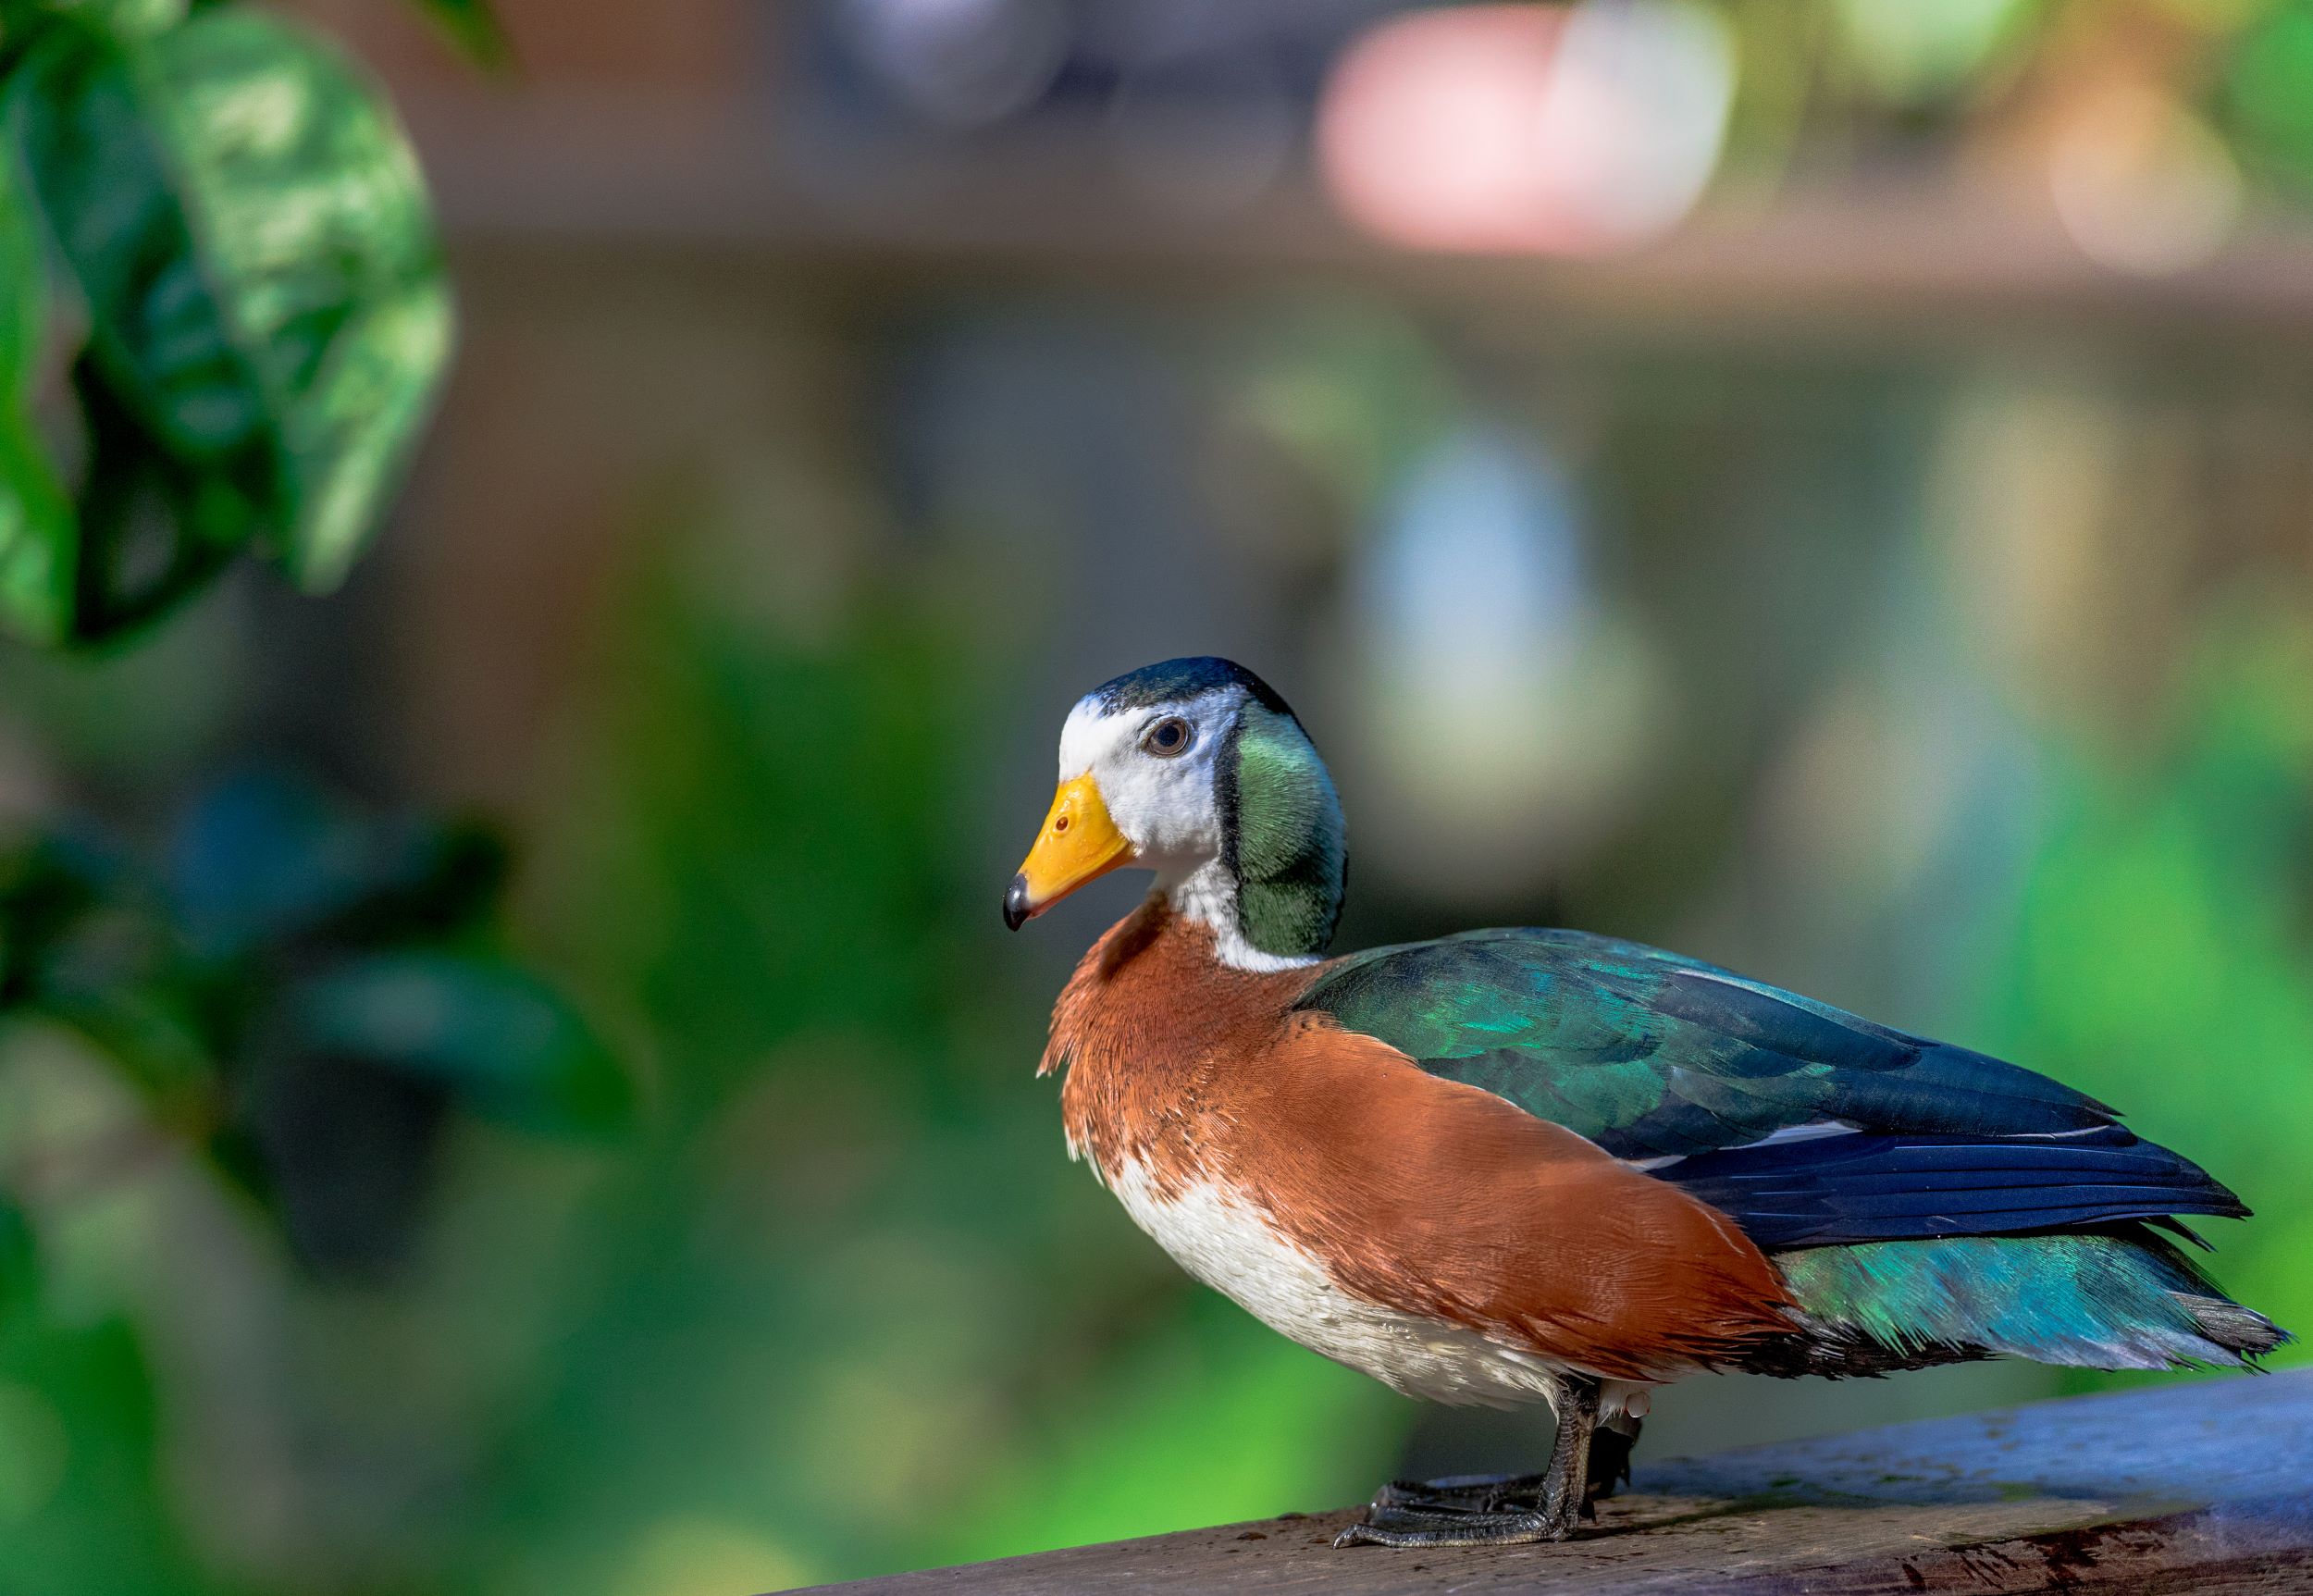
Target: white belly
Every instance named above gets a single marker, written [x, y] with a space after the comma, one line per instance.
[1235, 1250]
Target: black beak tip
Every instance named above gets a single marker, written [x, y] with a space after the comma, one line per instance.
[1015, 903]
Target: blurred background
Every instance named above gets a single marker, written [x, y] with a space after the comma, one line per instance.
[1825, 485]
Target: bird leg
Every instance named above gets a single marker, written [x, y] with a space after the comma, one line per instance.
[1494, 1510]
[1611, 1445]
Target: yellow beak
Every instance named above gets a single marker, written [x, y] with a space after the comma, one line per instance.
[1079, 842]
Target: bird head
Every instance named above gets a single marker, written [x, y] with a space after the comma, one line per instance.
[1196, 770]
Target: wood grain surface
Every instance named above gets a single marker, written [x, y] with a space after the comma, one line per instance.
[2206, 1487]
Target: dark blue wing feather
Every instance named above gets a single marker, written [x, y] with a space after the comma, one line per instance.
[1867, 1188]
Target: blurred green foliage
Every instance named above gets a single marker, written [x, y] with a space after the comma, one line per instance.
[1825, 82]
[2163, 945]
[246, 317]
[473, 27]
[285, 941]
[2269, 88]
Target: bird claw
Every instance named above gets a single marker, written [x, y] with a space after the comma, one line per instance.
[1465, 1492]
[1490, 1510]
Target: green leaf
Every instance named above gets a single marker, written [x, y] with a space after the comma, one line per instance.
[36, 532]
[110, 971]
[23, 283]
[36, 538]
[264, 858]
[46, 885]
[152, 528]
[122, 18]
[270, 856]
[128, 19]
[495, 1035]
[247, 226]
[473, 28]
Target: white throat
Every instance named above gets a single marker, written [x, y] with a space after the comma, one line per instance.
[1205, 894]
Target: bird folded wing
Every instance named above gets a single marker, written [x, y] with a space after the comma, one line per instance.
[1653, 1056]
[1807, 1125]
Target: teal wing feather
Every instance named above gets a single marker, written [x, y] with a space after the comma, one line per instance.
[2117, 1299]
[1651, 1055]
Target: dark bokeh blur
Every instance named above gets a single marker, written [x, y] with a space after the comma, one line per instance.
[1824, 487]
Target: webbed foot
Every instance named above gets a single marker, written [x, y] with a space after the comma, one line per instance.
[1465, 1492]
[1467, 1510]
[1409, 1527]
[1499, 1509]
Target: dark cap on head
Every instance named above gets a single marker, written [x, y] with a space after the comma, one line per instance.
[1174, 681]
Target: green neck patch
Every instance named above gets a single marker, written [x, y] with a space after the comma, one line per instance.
[1281, 835]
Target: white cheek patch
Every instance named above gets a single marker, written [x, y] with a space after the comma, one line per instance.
[1166, 809]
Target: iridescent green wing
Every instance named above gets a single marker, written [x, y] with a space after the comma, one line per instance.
[1653, 1056]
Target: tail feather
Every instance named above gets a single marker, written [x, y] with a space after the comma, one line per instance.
[2242, 1331]
[2117, 1298]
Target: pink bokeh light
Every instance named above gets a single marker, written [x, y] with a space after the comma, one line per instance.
[1526, 128]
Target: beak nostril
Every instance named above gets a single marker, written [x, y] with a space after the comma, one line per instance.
[1061, 824]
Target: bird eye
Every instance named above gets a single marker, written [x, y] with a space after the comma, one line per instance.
[1167, 738]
